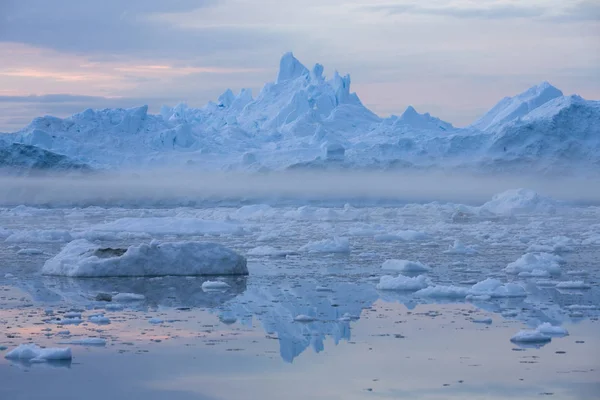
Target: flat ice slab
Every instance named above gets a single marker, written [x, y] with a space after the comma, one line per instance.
[35, 353]
[81, 258]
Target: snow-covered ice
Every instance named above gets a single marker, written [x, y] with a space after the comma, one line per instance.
[81, 258]
[34, 353]
[214, 285]
[531, 262]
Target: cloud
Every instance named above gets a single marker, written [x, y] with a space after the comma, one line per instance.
[492, 11]
[119, 27]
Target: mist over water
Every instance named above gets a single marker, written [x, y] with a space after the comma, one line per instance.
[172, 187]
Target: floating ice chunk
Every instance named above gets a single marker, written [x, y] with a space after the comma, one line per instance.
[215, 285]
[519, 201]
[126, 297]
[29, 252]
[99, 319]
[581, 307]
[269, 251]
[535, 261]
[8, 275]
[486, 321]
[495, 288]
[68, 321]
[168, 226]
[548, 329]
[459, 248]
[449, 292]
[335, 245]
[304, 318]
[72, 314]
[35, 353]
[530, 337]
[401, 282]
[114, 307]
[81, 258]
[86, 342]
[323, 289]
[536, 273]
[578, 273]
[573, 285]
[155, 321]
[405, 266]
[227, 319]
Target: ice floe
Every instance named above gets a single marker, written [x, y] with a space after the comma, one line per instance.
[81, 258]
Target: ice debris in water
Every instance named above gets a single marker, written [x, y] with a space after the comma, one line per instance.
[495, 288]
[86, 341]
[573, 285]
[34, 353]
[126, 297]
[405, 266]
[214, 285]
[542, 334]
[99, 319]
[81, 258]
[538, 262]
[402, 282]
[517, 201]
[335, 245]
[460, 248]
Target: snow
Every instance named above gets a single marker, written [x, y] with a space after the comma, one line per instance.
[573, 285]
[531, 262]
[495, 288]
[81, 258]
[401, 282]
[214, 285]
[335, 245]
[512, 108]
[404, 266]
[36, 354]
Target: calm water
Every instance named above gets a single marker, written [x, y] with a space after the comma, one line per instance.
[184, 343]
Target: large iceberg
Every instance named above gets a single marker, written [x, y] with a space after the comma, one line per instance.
[81, 258]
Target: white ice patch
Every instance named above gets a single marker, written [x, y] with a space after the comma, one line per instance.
[99, 319]
[404, 266]
[335, 245]
[495, 288]
[460, 248]
[304, 318]
[402, 282]
[269, 251]
[573, 285]
[214, 285]
[518, 201]
[35, 353]
[535, 261]
[127, 297]
[548, 329]
[81, 258]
